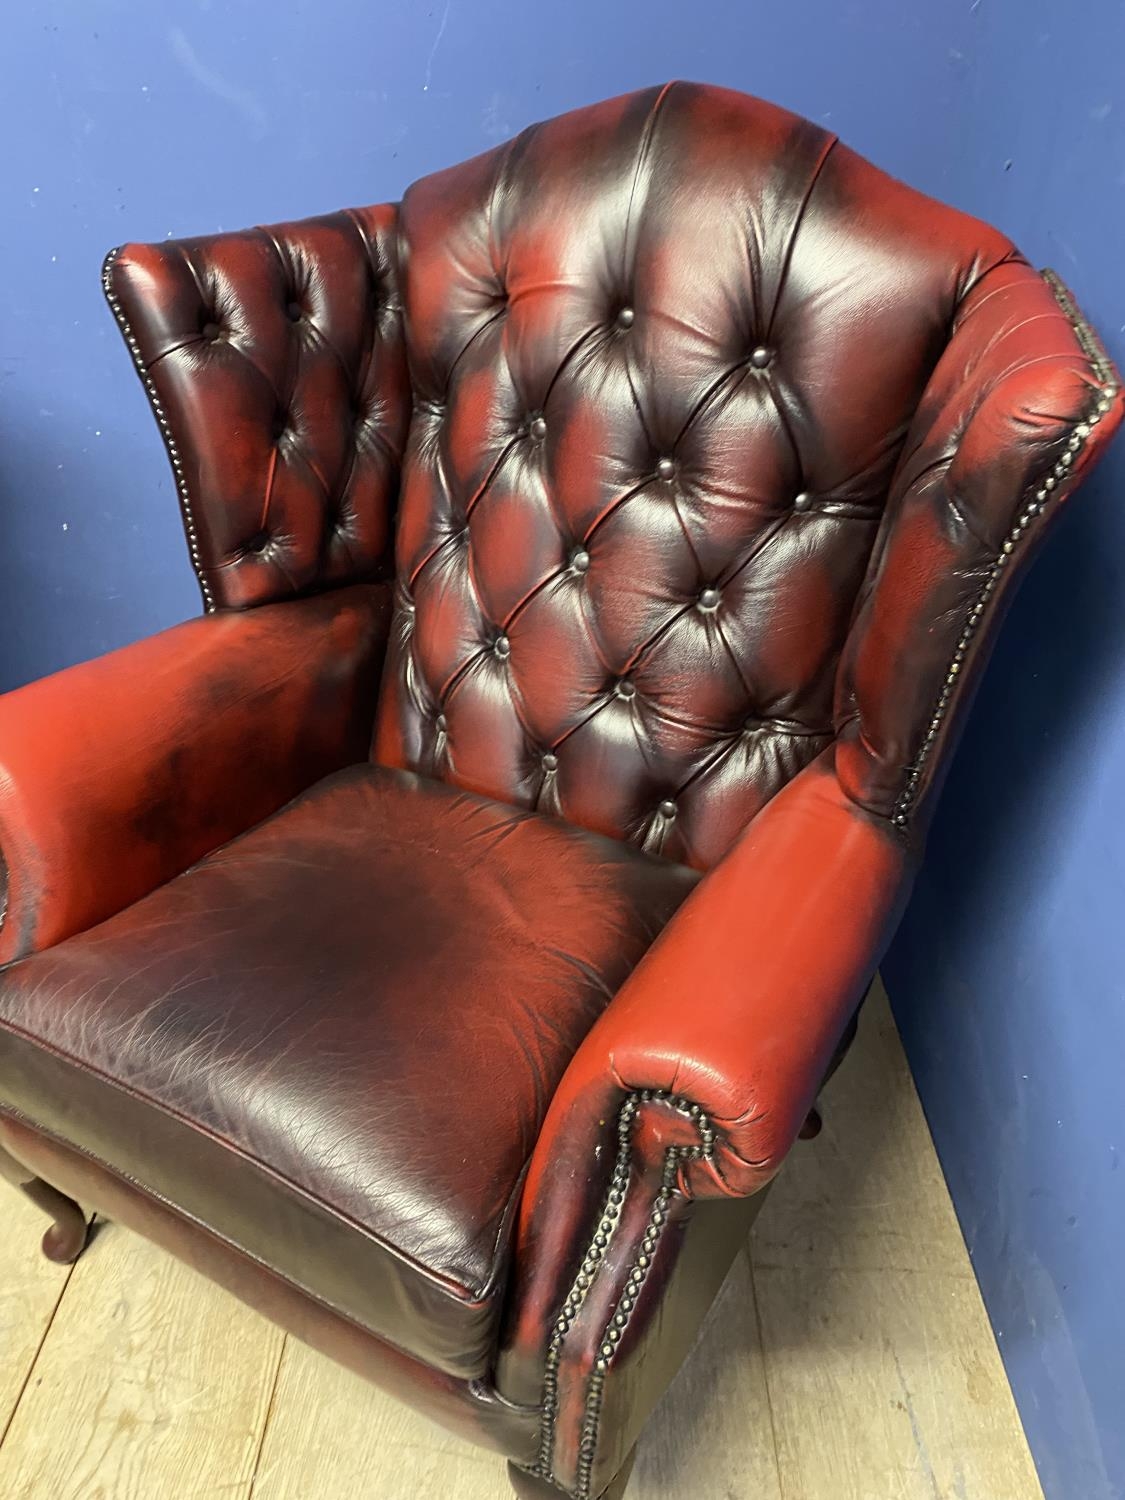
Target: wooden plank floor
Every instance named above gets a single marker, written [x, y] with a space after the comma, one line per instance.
[848, 1358]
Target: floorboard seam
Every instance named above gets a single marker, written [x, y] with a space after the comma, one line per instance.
[269, 1414]
[7, 1427]
[765, 1369]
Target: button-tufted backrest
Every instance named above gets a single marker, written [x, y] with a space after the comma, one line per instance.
[723, 445]
[665, 353]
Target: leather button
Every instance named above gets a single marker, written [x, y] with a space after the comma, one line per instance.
[709, 599]
[625, 318]
[550, 762]
[441, 724]
[803, 501]
[502, 646]
[625, 689]
[667, 808]
[538, 429]
[211, 332]
[580, 562]
[761, 357]
[666, 468]
[294, 312]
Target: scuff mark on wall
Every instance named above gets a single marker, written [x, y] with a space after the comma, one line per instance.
[240, 99]
[434, 48]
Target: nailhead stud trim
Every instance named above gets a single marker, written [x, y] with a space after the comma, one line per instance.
[162, 421]
[1040, 498]
[638, 1271]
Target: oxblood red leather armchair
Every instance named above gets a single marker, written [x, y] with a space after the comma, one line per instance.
[455, 1009]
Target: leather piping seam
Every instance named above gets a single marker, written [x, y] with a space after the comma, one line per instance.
[467, 1296]
[19, 1118]
[1041, 497]
[162, 422]
[644, 151]
[637, 1274]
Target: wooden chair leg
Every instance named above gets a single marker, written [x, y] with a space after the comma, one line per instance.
[66, 1239]
[531, 1487]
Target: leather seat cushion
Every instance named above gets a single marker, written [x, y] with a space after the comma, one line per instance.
[333, 1041]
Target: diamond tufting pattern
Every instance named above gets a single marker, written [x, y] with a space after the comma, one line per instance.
[704, 437]
[665, 351]
[275, 362]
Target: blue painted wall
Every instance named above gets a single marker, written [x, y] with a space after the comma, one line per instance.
[123, 120]
[1008, 977]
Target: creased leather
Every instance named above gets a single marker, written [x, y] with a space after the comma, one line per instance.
[334, 1040]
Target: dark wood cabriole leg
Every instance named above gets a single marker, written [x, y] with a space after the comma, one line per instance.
[66, 1239]
[531, 1487]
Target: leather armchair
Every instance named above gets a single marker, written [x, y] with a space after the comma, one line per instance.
[442, 942]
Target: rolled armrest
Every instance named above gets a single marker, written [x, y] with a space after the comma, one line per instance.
[118, 774]
[696, 1079]
[739, 1004]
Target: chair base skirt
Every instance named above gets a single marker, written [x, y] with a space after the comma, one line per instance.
[466, 1408]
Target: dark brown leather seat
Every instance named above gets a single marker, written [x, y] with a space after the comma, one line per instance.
[260, 1040]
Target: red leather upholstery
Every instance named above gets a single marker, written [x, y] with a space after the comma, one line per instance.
[299, 1120]
[1016, 410]
[469, 1408]
[714, 1048]
[118, 774]
[812, 862]
[274, 360]
[664, 370]
[720, 452]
